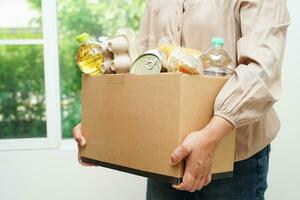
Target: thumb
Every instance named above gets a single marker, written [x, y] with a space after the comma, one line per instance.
[82, 141]
[179, 154]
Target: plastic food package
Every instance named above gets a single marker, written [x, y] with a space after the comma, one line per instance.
[184, 60]
[180, 59]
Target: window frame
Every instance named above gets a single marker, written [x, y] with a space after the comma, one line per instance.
[51, 81]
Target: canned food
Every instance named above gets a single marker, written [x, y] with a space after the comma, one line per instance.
[151, 62]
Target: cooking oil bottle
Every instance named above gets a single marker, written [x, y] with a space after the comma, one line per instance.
[89, 56]
[216, 61]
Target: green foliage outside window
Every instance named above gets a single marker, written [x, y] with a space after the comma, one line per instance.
[97, 17]
[22, 108]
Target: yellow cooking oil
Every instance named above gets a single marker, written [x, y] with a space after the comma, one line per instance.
[89, 57]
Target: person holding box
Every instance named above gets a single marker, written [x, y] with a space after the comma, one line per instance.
[255, 34]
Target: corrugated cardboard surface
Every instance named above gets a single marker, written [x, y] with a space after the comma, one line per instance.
[198, 95]
[137, 121]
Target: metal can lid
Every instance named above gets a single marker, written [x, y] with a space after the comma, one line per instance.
[146, 64]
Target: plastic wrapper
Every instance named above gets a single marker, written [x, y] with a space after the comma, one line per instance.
[180, 59]
[184, 60]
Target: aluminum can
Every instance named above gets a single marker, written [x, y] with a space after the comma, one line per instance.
[151, 62]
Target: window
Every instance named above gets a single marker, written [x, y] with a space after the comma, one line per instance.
[40, 83]
[29, 78]
[98, 18]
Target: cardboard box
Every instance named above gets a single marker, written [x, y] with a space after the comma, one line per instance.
[133, 122]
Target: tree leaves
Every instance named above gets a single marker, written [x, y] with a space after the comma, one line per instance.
[98, 18]
[22, 106]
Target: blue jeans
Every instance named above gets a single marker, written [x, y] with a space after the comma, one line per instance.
[249, 182]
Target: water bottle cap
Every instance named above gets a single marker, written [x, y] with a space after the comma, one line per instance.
[217, 41]
[84, 37]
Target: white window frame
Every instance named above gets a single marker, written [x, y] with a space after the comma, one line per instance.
[52, 84]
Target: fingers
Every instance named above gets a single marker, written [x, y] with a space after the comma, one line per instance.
[193, 174]
[198, 183]
[179, 154]
[81, 142]
[192, 184]
[77, 135]
[196, 175]
[208, 179]
[202, 182]
[192, 181]
[198, 163]
[187, 182]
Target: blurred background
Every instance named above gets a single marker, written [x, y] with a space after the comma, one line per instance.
[38, 112]
[22, 111]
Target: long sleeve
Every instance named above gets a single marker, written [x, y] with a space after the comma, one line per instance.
[256, 84]
[143, 34]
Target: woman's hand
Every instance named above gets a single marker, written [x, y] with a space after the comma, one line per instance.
[198, 150]
[81, 142]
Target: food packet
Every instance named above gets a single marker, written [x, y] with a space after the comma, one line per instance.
[180, 59]
[185, 61]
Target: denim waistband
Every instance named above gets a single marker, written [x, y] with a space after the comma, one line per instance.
[262, 153]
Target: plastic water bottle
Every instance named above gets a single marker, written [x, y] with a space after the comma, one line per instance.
[216, 61]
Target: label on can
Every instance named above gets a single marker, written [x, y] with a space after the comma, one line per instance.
[148, 63]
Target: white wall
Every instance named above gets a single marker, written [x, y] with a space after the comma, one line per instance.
[284, 177]
[55, 174]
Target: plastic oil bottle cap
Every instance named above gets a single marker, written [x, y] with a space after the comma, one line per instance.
[84, 37]
[217, 42]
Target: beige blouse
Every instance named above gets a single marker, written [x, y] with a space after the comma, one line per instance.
[255, 33]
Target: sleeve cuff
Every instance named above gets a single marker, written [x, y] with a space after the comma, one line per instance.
[229, 119]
